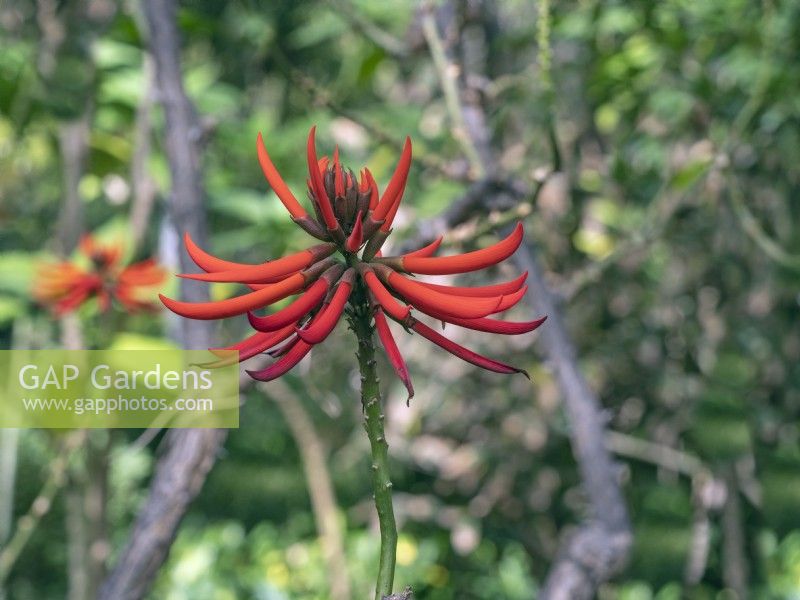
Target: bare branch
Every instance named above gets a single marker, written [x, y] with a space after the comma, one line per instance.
[144, 188]
[190, 453]
[73, 139]
[658, 454]
[449, 73]
[599, 547]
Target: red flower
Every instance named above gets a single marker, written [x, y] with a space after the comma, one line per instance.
[352, 219]
[64, 286]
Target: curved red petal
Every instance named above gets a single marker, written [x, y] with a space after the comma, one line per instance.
[428, 250]
[511, 300]
[392, 351]
[373, 189]
[491, 325]
[394, 190]
[206, 261]
[382, 296]
[72, 300]
[268, 272]
[356, 237]
[281, 350]
[465, 353]
[290, 314]
[328, 317]
[283, 365]
[276, 181]
[238, 305]
[498, 289]
[317, 184]
[251, 346]
[387, 223]
[457, 306]
[257, 343]
[462, 263]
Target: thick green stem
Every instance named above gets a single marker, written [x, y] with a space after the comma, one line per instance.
[361, 323]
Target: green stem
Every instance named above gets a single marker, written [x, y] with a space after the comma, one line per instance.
[361, 323]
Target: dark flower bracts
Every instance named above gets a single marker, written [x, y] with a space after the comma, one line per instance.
[346, 271]
[64, 286]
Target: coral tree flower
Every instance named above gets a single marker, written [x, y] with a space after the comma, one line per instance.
[352, 219]
[65, 285]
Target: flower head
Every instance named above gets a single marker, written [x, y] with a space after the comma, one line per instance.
[352, 220]
[65, 285]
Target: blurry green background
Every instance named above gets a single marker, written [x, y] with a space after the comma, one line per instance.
[668, 224]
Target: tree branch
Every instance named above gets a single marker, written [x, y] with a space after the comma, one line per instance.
[599, 547]
[189, 453]
[144, 188]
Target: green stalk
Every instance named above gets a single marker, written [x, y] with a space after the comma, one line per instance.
[361, 323]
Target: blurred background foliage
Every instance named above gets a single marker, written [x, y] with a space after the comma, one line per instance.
[668, 221]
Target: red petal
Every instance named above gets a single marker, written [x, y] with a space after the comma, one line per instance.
[499, 289]
[281, 350]
[491, 325]
[307, 301]
[462, 263]
[251, 346]
[238, 305]
[464, 353]
[317, 184]
[206, 261]
[394, 191]
[276, 181]
[373, 187]
[395, 358]
[387, 224]
[382, 296]
[428, 250]
[247, 345]
[284, 364]
[511, 300]
[270, 271]
[356, 237]
[325, 322]
[457, 306]
[73, 299]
